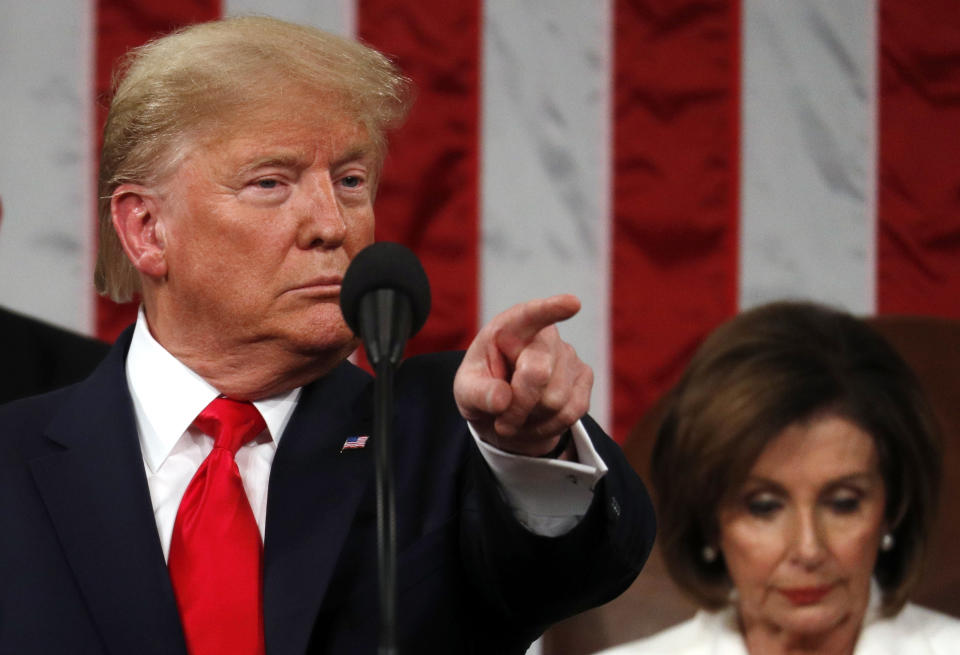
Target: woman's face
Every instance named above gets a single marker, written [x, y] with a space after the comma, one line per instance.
[800, 538]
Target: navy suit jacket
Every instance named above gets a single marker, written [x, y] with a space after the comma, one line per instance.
[36, 357]
[82, 571]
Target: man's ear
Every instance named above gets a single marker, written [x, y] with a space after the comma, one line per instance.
[133, 209]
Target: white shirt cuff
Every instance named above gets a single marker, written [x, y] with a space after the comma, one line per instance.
[548, 496]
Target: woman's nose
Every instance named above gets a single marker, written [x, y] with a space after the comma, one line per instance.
[808, 546]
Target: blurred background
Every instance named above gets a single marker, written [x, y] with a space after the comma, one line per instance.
[668, 161]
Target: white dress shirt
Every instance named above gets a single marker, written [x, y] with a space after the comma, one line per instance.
[548, 496]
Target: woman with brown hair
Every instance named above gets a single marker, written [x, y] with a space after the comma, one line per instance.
[796, 473]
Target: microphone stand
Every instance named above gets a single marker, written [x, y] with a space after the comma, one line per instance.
[386, 506]
[386, 323]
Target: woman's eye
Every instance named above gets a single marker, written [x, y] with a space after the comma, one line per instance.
[762, 506]
[845, 504]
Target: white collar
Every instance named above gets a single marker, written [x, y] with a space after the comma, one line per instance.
[874, 611]
[167, 396]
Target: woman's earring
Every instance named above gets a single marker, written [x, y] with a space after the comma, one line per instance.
[709, 554]
[886, 543]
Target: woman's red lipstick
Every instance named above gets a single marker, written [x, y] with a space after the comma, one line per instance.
[806, 595]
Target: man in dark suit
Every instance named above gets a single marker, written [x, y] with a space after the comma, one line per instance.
[38, 357]
[238, 172]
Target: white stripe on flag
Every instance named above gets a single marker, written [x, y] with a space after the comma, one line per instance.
[808, 146]
[46, 167]
[339, 16]
[545, 178]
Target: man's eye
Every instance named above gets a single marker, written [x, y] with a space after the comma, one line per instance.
[352, 181]
[267, 183]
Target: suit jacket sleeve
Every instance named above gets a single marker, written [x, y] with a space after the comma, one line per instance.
[545, 579]
[531, 581]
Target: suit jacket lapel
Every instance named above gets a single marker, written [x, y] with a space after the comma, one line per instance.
[96, 492]
[314, 492]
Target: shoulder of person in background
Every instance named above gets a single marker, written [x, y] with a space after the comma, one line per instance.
[39, 357]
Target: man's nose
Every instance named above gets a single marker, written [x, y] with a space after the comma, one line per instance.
[808, 543]
[322, 219]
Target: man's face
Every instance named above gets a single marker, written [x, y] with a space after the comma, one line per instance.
[259, 223]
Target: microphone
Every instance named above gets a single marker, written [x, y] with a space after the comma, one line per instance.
[385, 299]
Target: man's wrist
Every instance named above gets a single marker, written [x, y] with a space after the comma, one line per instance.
[562, 444]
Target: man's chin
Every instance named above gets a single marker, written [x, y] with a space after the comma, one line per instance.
[339, 343]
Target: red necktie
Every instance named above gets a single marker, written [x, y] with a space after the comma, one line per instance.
[215, 553]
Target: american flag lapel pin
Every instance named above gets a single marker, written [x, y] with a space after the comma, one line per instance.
[357, 441]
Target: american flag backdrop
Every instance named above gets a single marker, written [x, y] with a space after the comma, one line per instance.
[668, 161]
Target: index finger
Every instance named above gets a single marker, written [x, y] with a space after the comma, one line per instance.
[520, 324]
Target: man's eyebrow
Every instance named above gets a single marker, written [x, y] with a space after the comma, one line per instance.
[279, 160]
[361, 152]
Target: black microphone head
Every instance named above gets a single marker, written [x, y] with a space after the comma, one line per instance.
[385, 265]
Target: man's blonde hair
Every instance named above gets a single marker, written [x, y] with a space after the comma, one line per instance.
[170, 89]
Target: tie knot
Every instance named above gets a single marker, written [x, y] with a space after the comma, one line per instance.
[231, 423]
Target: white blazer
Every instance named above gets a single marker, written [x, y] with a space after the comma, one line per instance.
[914, 630]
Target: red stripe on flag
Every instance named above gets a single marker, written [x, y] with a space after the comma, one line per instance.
[428, 198]
[121, 25]
[676, 173]
[918, 235]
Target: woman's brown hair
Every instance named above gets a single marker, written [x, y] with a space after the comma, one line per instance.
[761, 372]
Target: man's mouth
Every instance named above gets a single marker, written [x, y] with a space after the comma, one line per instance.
[324, 285]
